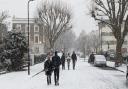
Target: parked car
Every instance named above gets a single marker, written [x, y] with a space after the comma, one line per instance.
[100, 60]
[91, 58]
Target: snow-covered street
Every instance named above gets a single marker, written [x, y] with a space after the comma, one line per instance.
[85, 76]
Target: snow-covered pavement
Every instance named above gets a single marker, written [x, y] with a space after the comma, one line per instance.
[122, 68]
[84, 77]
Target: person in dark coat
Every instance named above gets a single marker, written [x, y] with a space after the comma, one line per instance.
[92, 57]
[74, 59]
[106, 55]
[63, 61]
[56, 64]
[48, 68]
[68, 60]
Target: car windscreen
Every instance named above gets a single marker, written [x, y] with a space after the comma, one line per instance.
[100, 58]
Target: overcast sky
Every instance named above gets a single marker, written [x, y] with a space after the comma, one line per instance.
[81, 19]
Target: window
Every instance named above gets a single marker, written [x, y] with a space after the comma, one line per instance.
[36, 39]
[26, 28]
[36, 49]
[18, 26]
[36, 28]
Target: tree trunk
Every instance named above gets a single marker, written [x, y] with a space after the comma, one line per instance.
[118, 53]
[51, 45]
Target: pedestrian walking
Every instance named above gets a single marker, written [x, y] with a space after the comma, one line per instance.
[56, 64]
[74, 59]
[63, 61]
[48, 68]
[91, 58]
[106, 55]
[68, 61]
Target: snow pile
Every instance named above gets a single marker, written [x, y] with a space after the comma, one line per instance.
[121, 68]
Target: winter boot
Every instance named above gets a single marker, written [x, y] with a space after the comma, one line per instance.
[57, 83]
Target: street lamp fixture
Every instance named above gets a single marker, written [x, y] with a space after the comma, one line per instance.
[28, 40]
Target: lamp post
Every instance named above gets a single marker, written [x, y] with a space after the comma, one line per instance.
[28, 40]
[101, 38]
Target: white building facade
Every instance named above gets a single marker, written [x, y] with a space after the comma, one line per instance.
[109, 41]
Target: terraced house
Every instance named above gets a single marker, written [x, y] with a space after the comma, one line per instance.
[36, 34]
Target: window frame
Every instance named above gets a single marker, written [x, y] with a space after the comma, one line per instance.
[36, 35]
[35, 28]
[18, 26]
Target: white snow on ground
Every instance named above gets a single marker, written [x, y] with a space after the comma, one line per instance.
[85, 76]
[123, 67]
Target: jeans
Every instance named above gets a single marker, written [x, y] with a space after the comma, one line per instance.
[48, 79]
[73, 63]
[56, 75]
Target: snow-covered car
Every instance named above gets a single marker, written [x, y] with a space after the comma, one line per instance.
[100, 60]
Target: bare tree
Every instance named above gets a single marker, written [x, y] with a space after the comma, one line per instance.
[55, 19]
[87, 43]
[115, 13]
[81, 42]
[93, 41]
[66, 41]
